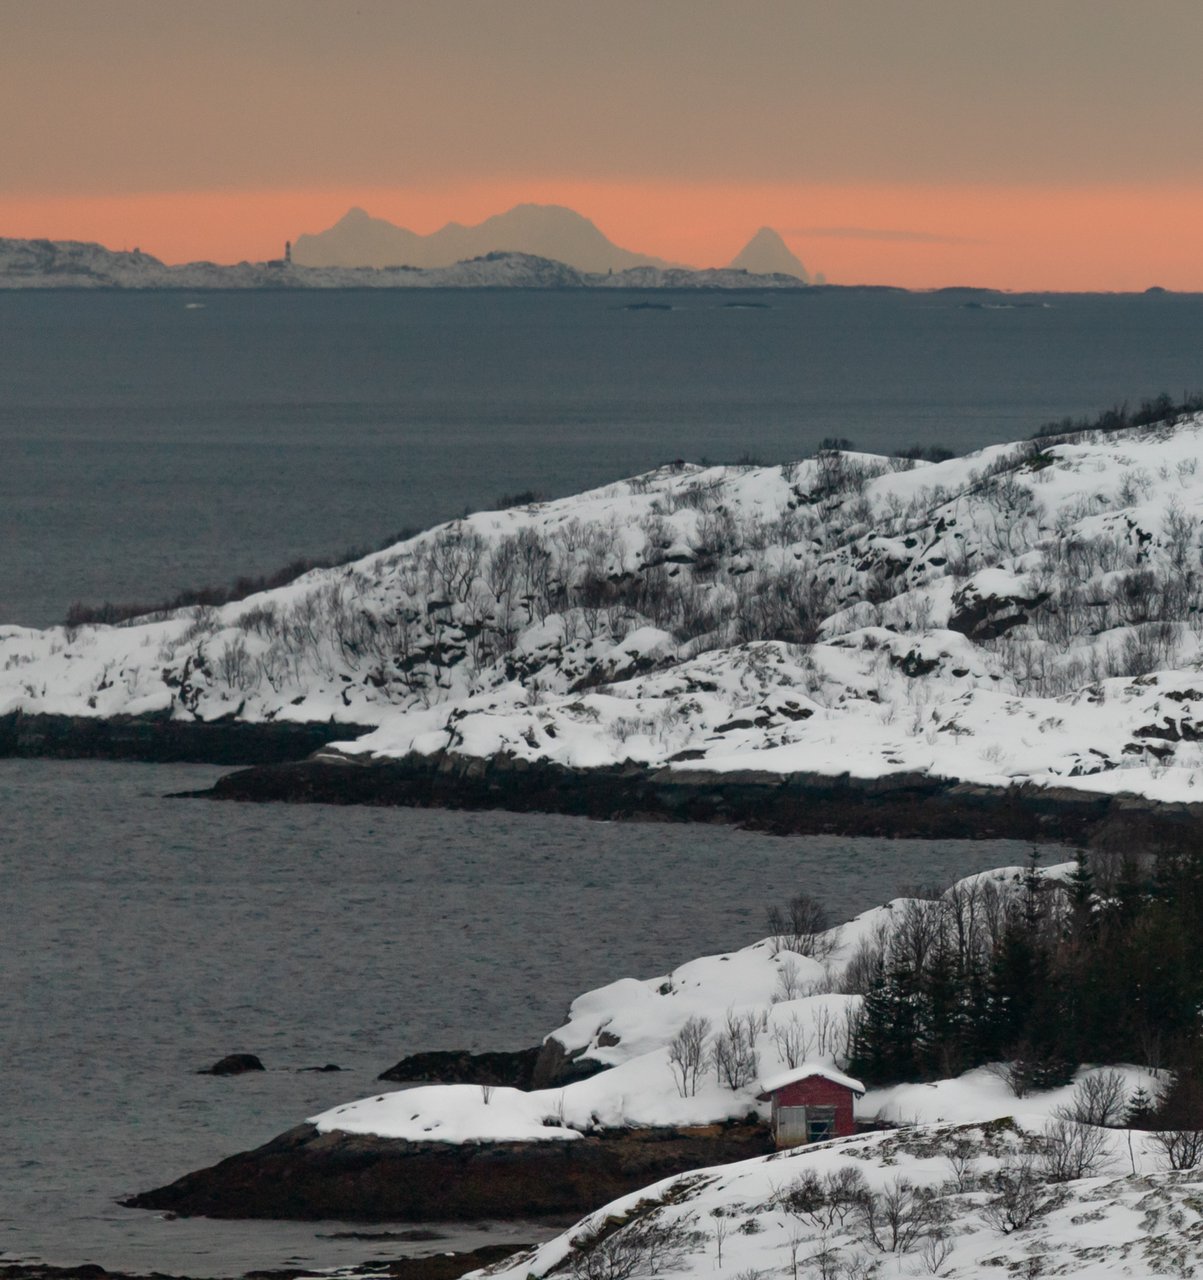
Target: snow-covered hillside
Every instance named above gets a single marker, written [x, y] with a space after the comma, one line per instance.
[949, 1200]
[1028, 612]
[971, 1176]
[768, 1009]
[73, 264]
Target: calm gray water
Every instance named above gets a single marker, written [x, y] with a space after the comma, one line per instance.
[146, 447]
[143, 938]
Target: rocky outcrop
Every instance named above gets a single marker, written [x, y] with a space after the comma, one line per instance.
[158, 739]
[546, 1066]
[305, 1174]
[458, 1066]
[896, 806]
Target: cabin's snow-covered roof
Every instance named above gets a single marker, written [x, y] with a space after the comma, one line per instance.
[804, 1071]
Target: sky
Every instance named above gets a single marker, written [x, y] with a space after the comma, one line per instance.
[1025, 144]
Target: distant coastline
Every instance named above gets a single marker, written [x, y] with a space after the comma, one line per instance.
[72, 264]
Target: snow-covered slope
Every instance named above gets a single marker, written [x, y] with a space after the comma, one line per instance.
[1028, 612]
[72, 264]
[958, 1201]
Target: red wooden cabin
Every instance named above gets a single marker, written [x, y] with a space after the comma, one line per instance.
[811, 1103]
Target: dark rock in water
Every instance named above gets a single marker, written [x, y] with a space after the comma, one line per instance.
[306, 1175]
[458, 1066]
[330, 1066]
[234, 1064]
[546, 1066]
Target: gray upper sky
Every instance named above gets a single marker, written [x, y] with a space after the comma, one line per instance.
[153, 95]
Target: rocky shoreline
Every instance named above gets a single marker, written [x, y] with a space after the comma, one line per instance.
[896, 806]
[440, 1266]
[279, 765]
[307, 1175]
[159, 739]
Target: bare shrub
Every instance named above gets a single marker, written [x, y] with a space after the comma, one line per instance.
[1018, 1196]
[804, 927]
[900, 1216]
[792, 1041]
[733, 1050]
[1069, 1151]
[962, 1163]
[1179, 1148]
[827, 1202]
[687, 1055]
[789, 986]
[1098, 1099]
[645, 1245]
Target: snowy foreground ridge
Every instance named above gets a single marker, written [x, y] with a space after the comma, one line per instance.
[961, 1201]
[1027, 613]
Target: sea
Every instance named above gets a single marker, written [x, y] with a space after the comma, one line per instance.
[155, 441]
[150, 442]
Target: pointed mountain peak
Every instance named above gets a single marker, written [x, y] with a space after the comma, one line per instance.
[767, 253]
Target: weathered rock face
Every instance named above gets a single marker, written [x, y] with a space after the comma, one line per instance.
[161, 740]
[896, 806]
[307, 1175]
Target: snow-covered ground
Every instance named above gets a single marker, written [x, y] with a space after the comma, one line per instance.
[787, 1005]
[958, 1201]
[75, 264]
[973, 1179]
[1027, 613]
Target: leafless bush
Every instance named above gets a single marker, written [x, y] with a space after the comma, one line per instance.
[792, 1042]
[962, 1163]
[733, 1051]
[1069, 1151]
[1019, 1196]
[1098, 1099]
[646, 1245]
[789, 985]
[936, 1250]
[826, 1202]
[234, 664]
[1179, 1148]
[804, 927]
[687, 1055]
[902, 1215]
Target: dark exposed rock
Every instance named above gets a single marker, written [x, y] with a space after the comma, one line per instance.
[894, 806]
[233, 1064]
[304, 1174]
[330, 1066]
[988, 617]
[458, 1066]
[158, 739]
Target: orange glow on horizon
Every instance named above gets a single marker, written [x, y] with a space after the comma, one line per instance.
[1060, 238]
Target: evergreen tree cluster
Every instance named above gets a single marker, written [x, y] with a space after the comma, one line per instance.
[1105, 966]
